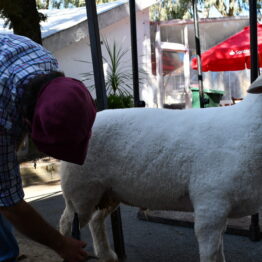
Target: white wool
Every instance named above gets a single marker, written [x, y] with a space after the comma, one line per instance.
[206, 159]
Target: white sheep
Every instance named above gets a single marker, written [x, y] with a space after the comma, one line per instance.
[206, 160]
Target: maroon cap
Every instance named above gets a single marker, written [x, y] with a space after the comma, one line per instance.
[63, 118]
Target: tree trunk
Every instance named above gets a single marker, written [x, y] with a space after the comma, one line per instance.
[24, 18]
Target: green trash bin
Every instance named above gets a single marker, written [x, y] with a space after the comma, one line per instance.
[213, 97]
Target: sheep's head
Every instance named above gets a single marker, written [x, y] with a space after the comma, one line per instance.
[256, 86]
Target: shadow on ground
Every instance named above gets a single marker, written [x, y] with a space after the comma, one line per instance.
[144, 241]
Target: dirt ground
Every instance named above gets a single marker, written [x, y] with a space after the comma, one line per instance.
[34, 252]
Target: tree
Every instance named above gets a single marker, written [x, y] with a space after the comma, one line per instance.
[42, 4]
[171, 9]
[23, 17]
[104, 1]
[228, 8]
[182, 9]
[65, 3]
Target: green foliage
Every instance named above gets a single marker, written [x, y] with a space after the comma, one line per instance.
[42, 4]
[67, 3]
[171, 9]
[45, 4]
[118, 76]
[104, 1]
[182, 9]
[120, 101]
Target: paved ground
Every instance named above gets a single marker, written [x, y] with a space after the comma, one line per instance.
[144, 241]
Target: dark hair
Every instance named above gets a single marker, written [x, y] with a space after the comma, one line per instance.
[31, 91]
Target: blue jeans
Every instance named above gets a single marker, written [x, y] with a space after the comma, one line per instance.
[9, 249]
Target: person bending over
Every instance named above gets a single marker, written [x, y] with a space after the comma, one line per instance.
[58, 113]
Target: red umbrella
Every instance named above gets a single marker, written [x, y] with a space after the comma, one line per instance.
[170, 62]
[232, 54]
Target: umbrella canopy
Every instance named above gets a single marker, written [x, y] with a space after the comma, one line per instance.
[232, 54]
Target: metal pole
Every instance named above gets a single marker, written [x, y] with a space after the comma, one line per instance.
[198, 52]
[132, 8]
[97, 60]
[118, 236]
[254, 227]
[102, 104]
[159, 66]
[253, 39]
[75, 229]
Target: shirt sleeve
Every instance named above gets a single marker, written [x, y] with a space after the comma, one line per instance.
[11, 191]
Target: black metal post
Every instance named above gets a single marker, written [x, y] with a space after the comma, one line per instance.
[132, 8]
[254, 227]
[198, 52]
[253, 40]
[75, 229]
[97, 60]
[118, 235]
[102, 104]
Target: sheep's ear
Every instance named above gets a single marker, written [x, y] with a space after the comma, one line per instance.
[256, 86]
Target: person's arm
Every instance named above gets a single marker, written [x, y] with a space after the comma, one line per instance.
[21, 214]
[30, 223]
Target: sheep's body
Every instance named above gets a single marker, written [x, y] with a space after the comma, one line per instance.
[159, 159]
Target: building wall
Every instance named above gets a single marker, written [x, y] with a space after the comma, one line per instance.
[176, 31]
[70, 57]
[212, 32]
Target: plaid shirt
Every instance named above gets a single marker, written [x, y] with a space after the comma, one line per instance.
[21, 59]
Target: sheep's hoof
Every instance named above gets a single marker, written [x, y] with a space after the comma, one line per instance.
[111, 260]
[109, 257]
[107, 260]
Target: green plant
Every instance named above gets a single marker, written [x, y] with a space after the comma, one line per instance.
[120, 101]
[118, 76]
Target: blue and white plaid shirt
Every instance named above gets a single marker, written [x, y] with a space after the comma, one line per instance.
[21, 59]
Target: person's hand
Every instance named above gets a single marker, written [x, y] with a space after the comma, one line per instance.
[72, 250]
[30, 223]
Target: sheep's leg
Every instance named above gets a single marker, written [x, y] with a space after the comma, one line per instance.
[84, 211]
[82, 200]
[209, 228]
[100, 240]
[220, 255]
[66, 219]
